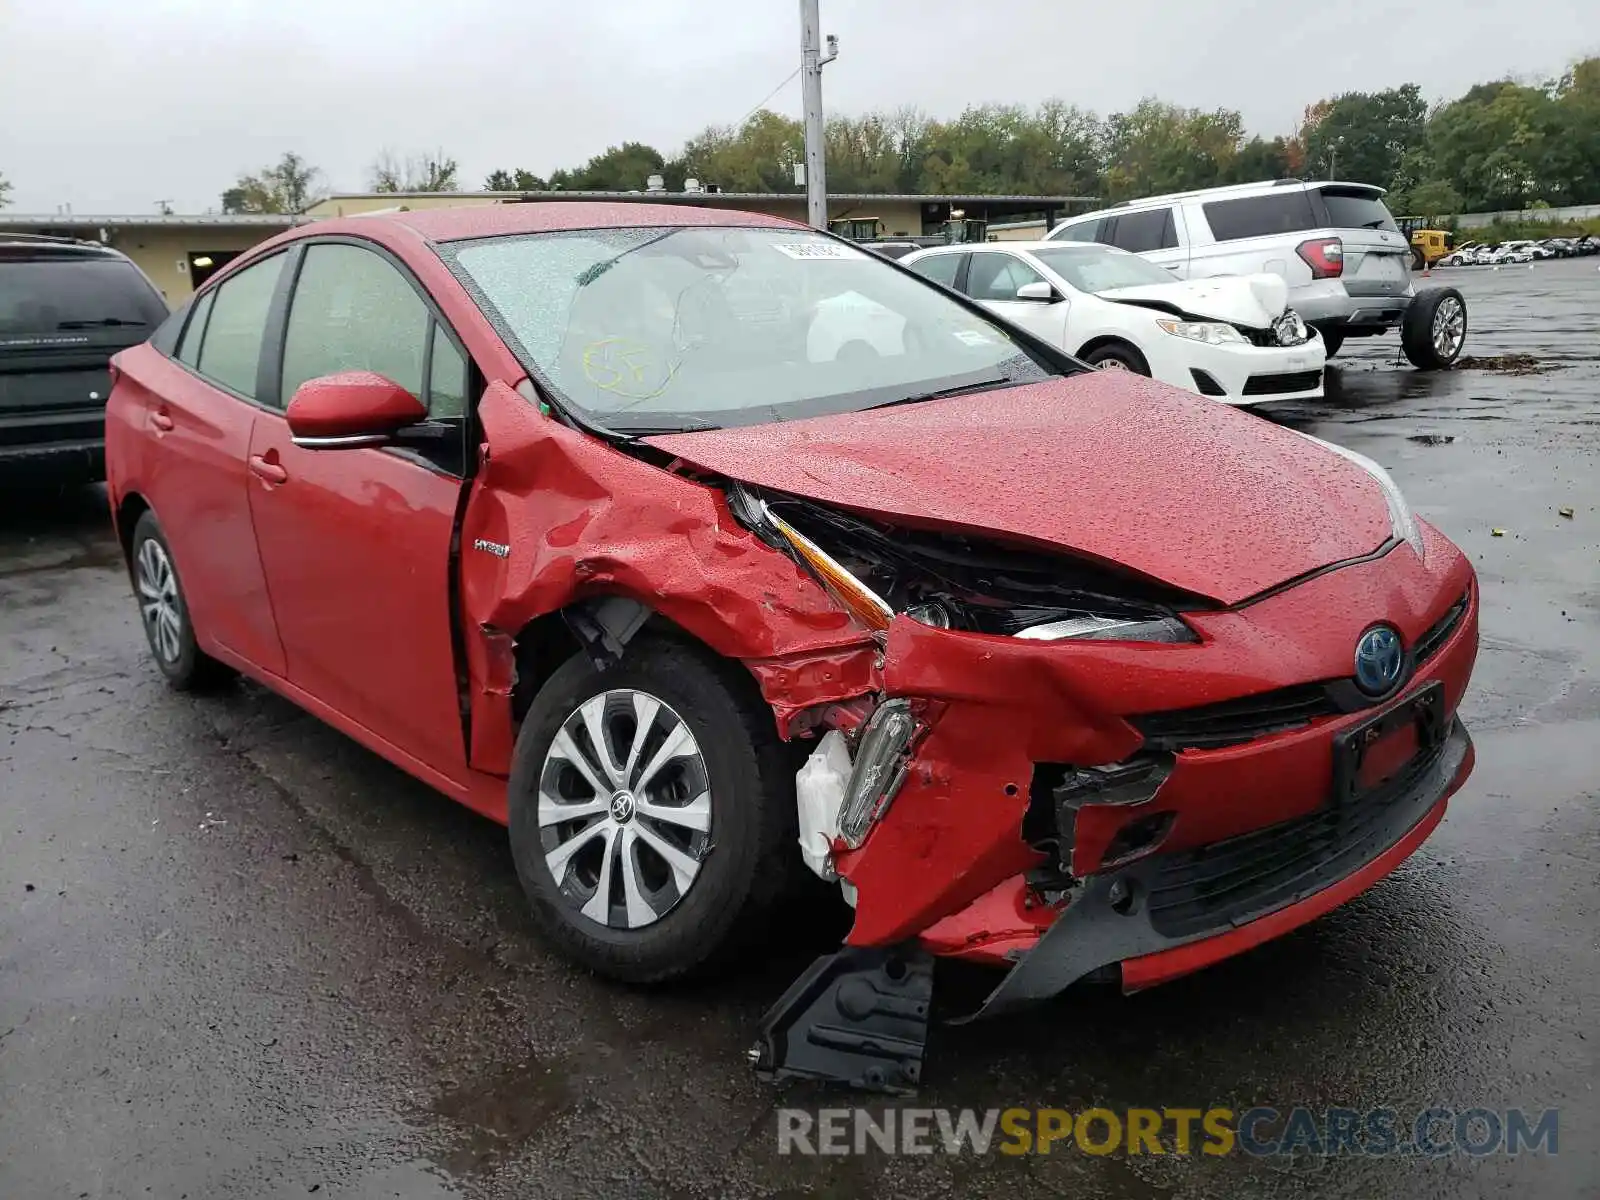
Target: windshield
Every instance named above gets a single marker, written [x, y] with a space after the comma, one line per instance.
[41, 296]
[1097, 269]
[651, 329]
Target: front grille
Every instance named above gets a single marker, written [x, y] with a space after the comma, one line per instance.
[1209, 887]
[1439, 632]
[1234, 721]
[1279, 385]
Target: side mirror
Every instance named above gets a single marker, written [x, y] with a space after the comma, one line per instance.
[353, 408]
[1038, 290]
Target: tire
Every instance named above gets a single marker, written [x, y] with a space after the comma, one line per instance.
[1419, 260]
[1434, 328]
[658, 926]
[1331, 341]
[1117, 356]
[164, 612]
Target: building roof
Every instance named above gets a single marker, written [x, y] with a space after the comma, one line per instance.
[176, 220]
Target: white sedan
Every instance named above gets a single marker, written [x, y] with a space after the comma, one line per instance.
[1231, 338]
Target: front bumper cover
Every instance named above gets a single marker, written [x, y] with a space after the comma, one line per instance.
[1156, 905]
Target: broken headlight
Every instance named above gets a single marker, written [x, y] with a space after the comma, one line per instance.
[952, 581]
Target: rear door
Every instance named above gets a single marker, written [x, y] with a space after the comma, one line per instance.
[63, 314]
[357, 542]
[1377, 257]
[198, 412]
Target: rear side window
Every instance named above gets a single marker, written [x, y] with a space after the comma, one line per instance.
[1138, 232]
[1081, 231]
[1287, 211]
[231, 350]
[1356, 210]
[941, 268]
[53, 295]
[189, 346]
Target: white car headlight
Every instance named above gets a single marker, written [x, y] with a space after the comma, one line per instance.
[1402, 522]
[1213, 333]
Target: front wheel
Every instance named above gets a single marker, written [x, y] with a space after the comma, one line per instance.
[1117, 356]
[1434, 329]
[652, 811]
[1331, 341]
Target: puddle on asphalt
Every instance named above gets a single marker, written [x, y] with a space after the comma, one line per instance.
[494, 1116]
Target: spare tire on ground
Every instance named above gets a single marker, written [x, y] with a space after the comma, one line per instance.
[1435, 328]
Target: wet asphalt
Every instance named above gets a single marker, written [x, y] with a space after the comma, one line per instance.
[242, 957]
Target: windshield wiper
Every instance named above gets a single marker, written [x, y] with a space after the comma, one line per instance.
[103, 322]
[944, 393]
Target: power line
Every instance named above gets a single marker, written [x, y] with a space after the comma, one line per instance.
[787, 81]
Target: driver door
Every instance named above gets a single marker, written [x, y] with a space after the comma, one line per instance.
[993, 279]
[355, 542]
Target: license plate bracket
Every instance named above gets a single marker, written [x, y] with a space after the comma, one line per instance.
[1424, 708]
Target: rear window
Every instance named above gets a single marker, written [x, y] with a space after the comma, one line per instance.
[1356, 210]
[1288, 211]
[47, 296]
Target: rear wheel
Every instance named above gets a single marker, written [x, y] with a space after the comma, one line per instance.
[1419, 260]
[164, 612]
[651, 811]
[1434, 329]
[1117, 356]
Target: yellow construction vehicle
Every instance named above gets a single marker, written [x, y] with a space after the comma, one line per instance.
[1428, 246]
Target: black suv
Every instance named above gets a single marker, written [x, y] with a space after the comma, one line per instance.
[65, 308]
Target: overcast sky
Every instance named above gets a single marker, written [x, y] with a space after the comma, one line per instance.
[111, 105]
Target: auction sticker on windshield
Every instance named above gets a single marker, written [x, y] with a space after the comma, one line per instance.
[817, 250]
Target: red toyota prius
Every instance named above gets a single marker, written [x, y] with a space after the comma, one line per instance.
[704, 550]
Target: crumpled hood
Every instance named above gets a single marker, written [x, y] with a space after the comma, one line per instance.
[1110, 466]
[1252, 300]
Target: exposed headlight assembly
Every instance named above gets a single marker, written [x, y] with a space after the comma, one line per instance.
[960, 583]
[1402, 522]
[1212, 333]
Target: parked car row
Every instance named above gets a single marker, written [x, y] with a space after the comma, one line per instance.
[1478, 254]
[1336, 246]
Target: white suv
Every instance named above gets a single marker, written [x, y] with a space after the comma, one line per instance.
[1347, 265]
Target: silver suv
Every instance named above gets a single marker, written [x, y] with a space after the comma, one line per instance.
[1347, 264]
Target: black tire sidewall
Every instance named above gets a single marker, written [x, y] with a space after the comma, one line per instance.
[1332, 341]
[182, 672]
[745, 800]
[1127, 355]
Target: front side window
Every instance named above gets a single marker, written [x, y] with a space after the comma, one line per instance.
[353, 311]
[998, 276]
[666, 328]
[1078, 231]
[231, 350]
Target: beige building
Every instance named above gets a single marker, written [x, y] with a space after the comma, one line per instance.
[179, 253]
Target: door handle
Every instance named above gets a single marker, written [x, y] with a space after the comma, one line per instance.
[161, 421]
[269, 471]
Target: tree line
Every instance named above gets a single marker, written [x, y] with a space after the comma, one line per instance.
[1502, 145]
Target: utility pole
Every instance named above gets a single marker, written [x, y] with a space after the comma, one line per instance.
[811, 64]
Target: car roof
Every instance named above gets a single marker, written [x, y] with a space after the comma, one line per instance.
[499, 220]
[39, 246]
[1231, 191]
